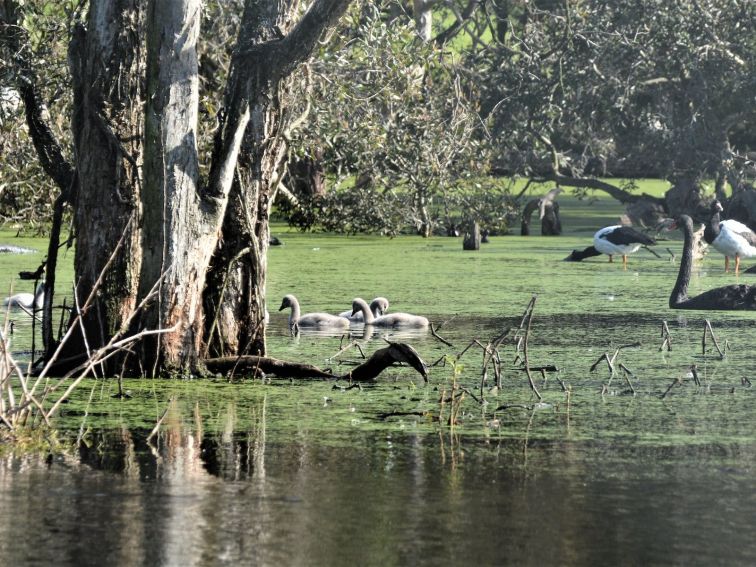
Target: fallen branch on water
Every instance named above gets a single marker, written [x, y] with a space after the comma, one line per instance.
[367, 371]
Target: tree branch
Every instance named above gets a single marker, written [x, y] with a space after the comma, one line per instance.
[591, 183]
[48, 149]
[299, 44]
[459, 22]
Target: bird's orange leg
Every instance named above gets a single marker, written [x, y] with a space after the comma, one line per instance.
[737, 264]
[610, 258]
[727, 264]
[624, 261]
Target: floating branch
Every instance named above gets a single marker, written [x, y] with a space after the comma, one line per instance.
[543, 369]
[385, 416]
[368, 370]
[505, 407]
[252, 364]
[347, 388]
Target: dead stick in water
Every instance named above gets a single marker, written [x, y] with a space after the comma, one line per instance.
[707, 327]
[694, 372]
[160, 421]
[626, 373]
[675, 382]
[667, 336]
[464, 350]
[353, 344]
[439, 337]
[608, 362]
[654, 252]
[531, 307]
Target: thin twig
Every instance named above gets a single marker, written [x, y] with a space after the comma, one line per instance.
[707, 327]
[531, 307]
[160, 421]
[667, 336]
[694, 372]
[439, 337]
[675, 382]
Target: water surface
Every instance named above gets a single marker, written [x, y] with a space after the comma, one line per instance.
[280, 472]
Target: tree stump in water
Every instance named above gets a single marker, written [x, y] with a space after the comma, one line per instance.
[551, 225]
[548, 208]
[472, 238]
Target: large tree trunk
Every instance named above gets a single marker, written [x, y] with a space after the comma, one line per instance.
[142, 229]
[106, 70]
[179, 232]
[235, 297]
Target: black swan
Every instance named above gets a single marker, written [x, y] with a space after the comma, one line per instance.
[729, 297]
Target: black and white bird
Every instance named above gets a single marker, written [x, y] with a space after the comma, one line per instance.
[616, 240]
[729, 237]
[730, 297]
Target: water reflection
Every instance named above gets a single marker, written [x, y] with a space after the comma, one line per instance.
[187, 496]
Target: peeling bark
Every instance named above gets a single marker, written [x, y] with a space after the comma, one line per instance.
[107, 63]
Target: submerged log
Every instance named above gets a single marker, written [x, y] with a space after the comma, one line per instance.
[252, 364]
[367, 371]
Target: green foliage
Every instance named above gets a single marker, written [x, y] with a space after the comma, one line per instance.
[26, 191]
[357, 209]
[646, 87]
[391, 110]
